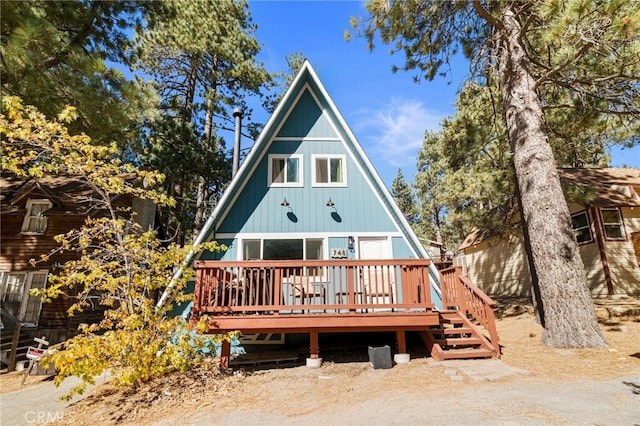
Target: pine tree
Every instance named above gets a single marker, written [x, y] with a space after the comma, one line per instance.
[403, 195]
[586, 50]
[202, 56]
[54, 53]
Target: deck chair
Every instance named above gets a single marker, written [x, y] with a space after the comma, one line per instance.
[309, 289]
[379, 286]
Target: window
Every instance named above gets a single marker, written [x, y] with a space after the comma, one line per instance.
[329, 170]
[581, 228]
[283, 249]
[14, 294]
[251, 250]
[612, 223]
[285, 170]
[34, 220]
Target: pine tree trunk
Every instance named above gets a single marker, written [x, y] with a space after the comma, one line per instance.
[569, 315]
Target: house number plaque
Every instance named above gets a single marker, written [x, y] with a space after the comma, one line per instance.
[338, 253]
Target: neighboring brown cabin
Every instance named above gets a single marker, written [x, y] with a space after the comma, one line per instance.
[32, 213]
[605, 212]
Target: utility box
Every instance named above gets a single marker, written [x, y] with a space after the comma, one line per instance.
[380, 357]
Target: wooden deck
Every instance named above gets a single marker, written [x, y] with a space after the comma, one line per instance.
[324, 296]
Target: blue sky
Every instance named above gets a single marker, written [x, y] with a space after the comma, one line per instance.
[387, 112]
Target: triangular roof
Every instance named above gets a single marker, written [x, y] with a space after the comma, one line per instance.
[68, 194]
[306, 87]
[307, 78]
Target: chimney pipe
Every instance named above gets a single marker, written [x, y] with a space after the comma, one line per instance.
[238, 114]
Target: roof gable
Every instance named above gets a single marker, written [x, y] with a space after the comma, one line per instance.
[306, 119]
[305, 115]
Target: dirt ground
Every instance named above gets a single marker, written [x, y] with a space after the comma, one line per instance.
[288, 390]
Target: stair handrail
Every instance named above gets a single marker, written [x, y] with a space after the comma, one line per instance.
[470, 299]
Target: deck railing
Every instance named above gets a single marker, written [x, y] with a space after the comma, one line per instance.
[460, 293]
[312, 286]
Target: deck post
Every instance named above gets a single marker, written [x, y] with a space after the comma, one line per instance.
[313, 345]
[402, 342]
[225, 354]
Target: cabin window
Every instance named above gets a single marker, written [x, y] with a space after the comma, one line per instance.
[329, 170]
[15, 297]
[283, 249]
[314, 249]
[251, 250]
[34, 220]
[581, 227]
[285, 170]
[612, 223]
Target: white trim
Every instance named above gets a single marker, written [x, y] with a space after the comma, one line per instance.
[285, 184]
[329, 157]
[28, 216]
[282, 236]
[23, 294]
[313, 235]
[619, 224]
[305, 139]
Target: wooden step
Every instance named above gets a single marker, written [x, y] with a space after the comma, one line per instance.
[456, 338]
[466, 353]
[450, 319]
[459, 341]
[451, 330]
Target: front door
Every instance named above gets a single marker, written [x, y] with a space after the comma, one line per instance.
[374, 248]
[377, 282]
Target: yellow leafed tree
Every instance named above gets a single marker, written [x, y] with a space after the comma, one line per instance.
[122, 265]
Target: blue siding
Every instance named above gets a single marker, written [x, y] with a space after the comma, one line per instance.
[258, 208]
[307, 120]
[401, 249]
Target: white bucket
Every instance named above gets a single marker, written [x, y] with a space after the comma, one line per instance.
[401, 358]
[314, 362]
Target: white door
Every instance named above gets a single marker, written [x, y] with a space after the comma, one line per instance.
[378, 282]
[374, 248]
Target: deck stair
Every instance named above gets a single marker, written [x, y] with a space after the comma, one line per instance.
[456, 337]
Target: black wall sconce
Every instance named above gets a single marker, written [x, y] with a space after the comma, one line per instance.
[284, 203]
[351, 242]
[330, 203]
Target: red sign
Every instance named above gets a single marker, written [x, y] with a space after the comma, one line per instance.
[35, 353]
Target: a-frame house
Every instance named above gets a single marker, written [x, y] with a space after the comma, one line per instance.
[316, 244]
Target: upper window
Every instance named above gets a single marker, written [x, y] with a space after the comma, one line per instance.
[285, 170]
[34, 220]
[329, 170]
[612, 223]
[581, 228]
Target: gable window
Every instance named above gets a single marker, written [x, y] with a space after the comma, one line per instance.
[285, 170]
[612, 223]
[581, 228]
[329, 170]
[15, 297]
[34, 220]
